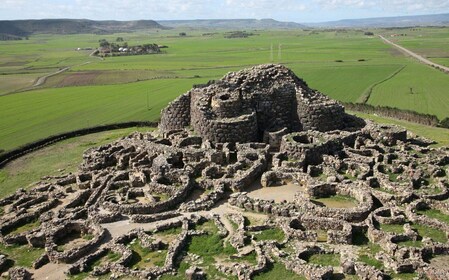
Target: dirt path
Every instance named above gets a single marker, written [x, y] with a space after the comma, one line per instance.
[51, 271]
[41, 80]
[416, 56]
[277, 193]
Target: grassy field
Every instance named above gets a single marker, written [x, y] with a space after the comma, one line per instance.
[417, 87]
[33, 115]
[342, 64]
[428, 42]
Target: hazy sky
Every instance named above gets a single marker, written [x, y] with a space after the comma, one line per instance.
[284, 10]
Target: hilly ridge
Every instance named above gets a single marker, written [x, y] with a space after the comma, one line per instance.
[400, 21]
[73, 26]
[232, 24]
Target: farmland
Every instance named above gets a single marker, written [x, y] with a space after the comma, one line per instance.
[343, 64]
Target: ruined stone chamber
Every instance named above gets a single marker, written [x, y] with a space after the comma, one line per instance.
[275, 173]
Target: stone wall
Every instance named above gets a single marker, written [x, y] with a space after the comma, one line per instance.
[317, 112]
[177, 114]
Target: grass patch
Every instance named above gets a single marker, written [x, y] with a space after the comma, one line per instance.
[371, 261]
[435, 214]
[209, 247]
[170, 231]
[425, 231]
[278, 271]
[411, 243]
[367, 255]
[270, 234]
[321, 235]
[251, 258]
[21, 255]
[393, 177]
[87, 236]
[403, 276]
[324, 259]
[113, 256]
[208, 226]
[180, 274]
[430, 191]
[144, 258]
[394, 228]
[26, 227]
[433, 233]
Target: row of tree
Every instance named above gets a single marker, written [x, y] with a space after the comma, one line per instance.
[400, 114]
[9, 37]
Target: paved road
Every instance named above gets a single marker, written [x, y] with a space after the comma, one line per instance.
[415, 55]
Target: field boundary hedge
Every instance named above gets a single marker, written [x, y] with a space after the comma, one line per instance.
[39, 144]
[389, 112]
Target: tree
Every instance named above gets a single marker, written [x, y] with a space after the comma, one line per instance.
[119, 39]
[444, 123]
[114, 47]
[104, 43]
[182, 34]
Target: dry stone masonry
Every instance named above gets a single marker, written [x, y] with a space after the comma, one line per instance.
[260, 170]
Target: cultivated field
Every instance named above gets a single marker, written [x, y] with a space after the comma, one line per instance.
[343, 64]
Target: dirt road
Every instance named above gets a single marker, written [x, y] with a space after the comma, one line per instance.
[416, 56]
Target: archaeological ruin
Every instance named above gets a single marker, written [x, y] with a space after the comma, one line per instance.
[247, 175]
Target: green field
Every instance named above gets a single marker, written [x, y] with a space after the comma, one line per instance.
[428, 42]
[343, 64]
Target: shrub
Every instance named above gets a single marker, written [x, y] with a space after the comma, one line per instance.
[444, 123]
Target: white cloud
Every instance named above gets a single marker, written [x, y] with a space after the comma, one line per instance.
[416, 5]
[397, 6]
[335, 4]
[297, 10]
[268, 5]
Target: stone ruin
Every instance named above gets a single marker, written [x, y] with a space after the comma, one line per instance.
[370, 196]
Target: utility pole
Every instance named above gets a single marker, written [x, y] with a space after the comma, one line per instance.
[279, 53]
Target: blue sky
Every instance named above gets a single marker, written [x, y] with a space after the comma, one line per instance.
[284, 10]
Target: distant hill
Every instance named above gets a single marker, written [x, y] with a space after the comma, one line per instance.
[73, 26]
[232, 24]
[403, 21]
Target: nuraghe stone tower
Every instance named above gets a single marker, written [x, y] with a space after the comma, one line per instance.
[252, 105]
